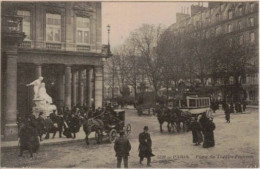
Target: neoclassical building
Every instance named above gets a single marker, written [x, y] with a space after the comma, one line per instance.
[236, 20]
[60, 41]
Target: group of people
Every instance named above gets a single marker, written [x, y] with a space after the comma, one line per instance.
[66, 121]
[202, 131]
[122, 148]
[231, 108]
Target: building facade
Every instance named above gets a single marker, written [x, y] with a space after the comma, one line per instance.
[237, 20]
[60, 41]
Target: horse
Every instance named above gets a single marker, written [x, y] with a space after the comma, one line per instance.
[28, 139]
[182, 117]
[90, 125]
[163, 115]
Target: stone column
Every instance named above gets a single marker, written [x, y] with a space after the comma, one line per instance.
[11, 131]
[89, 73]
[98, 87]
[61, 88]
[81, 88]
[38, 71]
[74, 88]
[68, 86]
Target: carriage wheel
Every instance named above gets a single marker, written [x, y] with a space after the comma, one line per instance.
[98, 136]
[112, 135]
[128, 129]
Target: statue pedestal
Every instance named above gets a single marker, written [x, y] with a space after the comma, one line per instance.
[41, 106]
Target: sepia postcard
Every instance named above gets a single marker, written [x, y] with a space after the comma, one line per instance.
[131, 84]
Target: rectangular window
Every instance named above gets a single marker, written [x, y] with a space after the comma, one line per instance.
[240, 11]
[83, 28]
[252, 6]
[229, 28]
[239, 25]
[53, 27]
[26, 15]
[241, 40]
[218, 30]
[230, 14]
[251, 21]
[252, 37]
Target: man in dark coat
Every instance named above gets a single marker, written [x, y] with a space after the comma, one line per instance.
[196, 131]
[41, 127]
[74, 125]
[209, 134]
[145, 146]
[227, 113]
[122, 148]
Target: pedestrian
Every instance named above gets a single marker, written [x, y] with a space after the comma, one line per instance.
[209, 140]
[122, 148]
[227, 113]
[232, 107]
[145, 146]
[41, 126]
[244, 106]
[196, 131]
[74, 125]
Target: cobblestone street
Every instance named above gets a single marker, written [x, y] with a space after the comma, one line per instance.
[236, 146]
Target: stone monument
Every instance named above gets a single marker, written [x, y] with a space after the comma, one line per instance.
[42, 101]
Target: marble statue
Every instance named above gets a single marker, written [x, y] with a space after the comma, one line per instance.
[43, 94]
[36, 86]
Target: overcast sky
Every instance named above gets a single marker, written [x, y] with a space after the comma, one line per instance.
[124, 17]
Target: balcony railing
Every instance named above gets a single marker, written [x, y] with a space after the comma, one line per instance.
[26, 44]
[54, 46]
[83, 48]
[11, 24]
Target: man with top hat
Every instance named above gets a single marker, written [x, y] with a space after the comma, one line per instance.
[122, 148]
[145, 146]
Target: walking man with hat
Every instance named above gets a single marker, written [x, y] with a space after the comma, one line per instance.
[122, 148]
[145, 146]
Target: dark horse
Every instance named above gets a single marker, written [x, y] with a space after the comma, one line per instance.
[164, 115]
[174, 117]
[182, 117]
[90, 125]
[28, 139]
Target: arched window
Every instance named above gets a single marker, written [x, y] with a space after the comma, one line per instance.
[218, 30]
[252, 7]
[229, 28]
[231, 80]
[240, 10]
[230, 14]
[217, 17]
[252, 37]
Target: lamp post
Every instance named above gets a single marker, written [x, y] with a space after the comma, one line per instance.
[108, 41]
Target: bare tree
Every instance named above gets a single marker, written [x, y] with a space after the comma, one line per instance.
[146, 39]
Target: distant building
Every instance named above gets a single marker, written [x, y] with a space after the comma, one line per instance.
[60, 41]
[237, 20]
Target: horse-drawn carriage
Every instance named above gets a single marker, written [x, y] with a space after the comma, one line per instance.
[112, 130]
[108, 128]
[196, 105]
